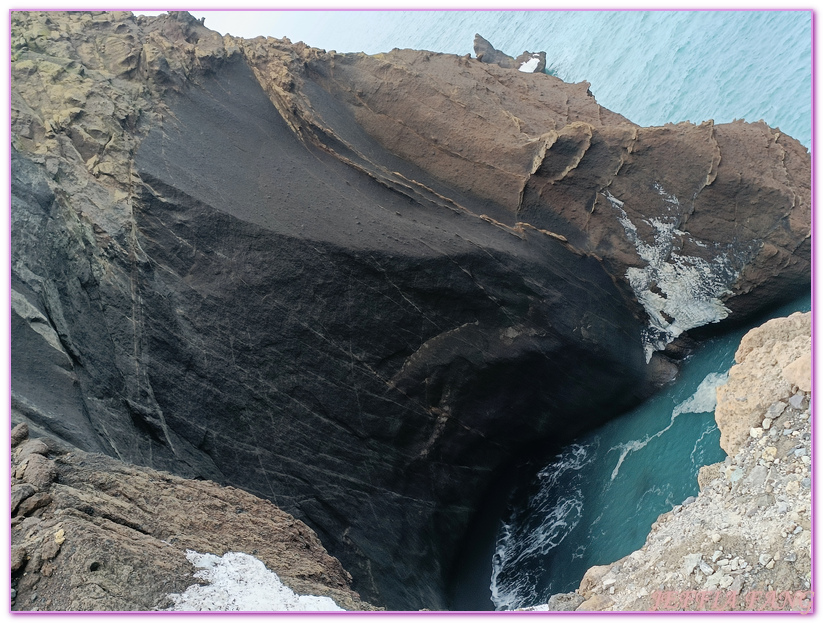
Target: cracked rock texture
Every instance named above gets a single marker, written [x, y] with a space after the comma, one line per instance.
[748, 530]
[358, 285]
[101, 535]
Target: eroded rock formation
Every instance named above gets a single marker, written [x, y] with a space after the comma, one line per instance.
[528, 62]
[772, 362]
[358, 285]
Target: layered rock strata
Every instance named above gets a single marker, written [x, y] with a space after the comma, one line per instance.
[91, 533]
[743, 543]
[359, 285]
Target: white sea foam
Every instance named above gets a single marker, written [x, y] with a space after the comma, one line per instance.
[238, 581]
[531, 534]
[696, 455]
[678, 292]
[530, 65]
[703, 400]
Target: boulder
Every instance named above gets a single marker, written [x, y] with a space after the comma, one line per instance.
[19, 434]
[38, 470]
[20, 492]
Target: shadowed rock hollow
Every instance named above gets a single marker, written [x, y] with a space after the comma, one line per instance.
[359, 285]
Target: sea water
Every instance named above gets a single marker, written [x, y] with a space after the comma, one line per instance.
[594, 501]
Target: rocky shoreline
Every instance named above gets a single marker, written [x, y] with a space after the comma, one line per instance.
[744, 542]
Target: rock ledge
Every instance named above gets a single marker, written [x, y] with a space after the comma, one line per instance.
[91, 533]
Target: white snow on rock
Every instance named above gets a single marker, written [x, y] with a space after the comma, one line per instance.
[678, 292]
[238, 581]
[530, 65]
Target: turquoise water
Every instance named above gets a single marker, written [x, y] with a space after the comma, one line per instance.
[595, 502]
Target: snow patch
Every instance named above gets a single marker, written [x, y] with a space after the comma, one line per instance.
[678, 292]
[530, 65]
[238, 581]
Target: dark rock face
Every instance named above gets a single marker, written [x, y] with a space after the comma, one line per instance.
[356, 286]
[392, 349]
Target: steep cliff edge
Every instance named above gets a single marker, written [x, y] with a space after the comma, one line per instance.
[91, 533]
[744, 543]
[358, 285]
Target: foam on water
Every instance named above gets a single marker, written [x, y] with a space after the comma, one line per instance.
[704, 400]
[530, 65]
[541, 526]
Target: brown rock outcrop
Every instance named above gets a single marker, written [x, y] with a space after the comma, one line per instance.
[675, 213]
[767, 362]
[529, 62]
[107, 536]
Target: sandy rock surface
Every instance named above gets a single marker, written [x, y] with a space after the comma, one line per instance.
[772, 362]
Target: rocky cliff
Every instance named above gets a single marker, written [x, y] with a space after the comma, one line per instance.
[744, 543]
[91, 533]
[359, 285]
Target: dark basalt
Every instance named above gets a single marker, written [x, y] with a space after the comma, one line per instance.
[384, 355]
[341, 283]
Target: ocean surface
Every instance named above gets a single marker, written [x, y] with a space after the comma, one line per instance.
[595, 500]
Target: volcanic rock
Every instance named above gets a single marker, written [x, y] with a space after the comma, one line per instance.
[359, 285]
[20, 492]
